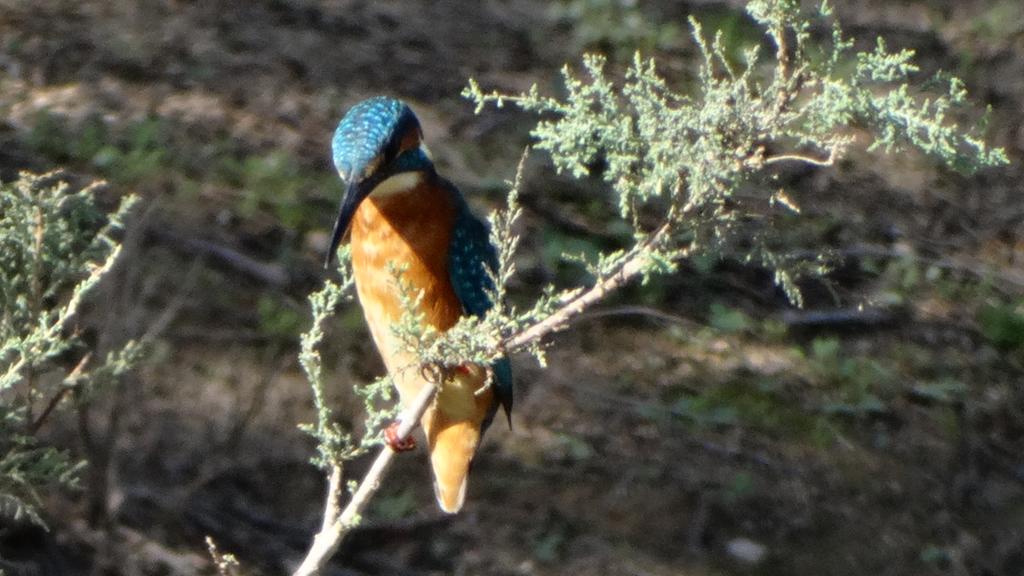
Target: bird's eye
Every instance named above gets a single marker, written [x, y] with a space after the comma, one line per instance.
[392, 150]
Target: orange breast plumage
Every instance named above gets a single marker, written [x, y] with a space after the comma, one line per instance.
[403, 235]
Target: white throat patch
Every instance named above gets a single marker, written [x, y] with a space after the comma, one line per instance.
[399, 183]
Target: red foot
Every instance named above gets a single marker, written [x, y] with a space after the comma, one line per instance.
[398, 444]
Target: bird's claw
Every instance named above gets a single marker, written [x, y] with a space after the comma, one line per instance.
[394, 442]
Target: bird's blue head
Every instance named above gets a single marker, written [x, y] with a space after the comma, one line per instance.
[378, 138]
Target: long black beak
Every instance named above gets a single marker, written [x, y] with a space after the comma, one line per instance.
[354, 194]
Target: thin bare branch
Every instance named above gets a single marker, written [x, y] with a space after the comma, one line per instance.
[642, 312]
[268, 273]
[801, 158]
[69, 383]
[630, 268]
[330, 536]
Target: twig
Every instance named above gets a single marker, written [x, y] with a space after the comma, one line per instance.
[802, 158]
[838, 317]
[568, 222]
[70, 381]
[640, 311]
[265, 272]
[335, 525]
[783, 72]
[631, 267]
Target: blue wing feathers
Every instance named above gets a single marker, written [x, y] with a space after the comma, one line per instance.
[470, 256]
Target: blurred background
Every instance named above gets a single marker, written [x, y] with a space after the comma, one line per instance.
[698, 425]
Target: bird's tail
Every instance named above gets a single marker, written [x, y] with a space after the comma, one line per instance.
[452, 444]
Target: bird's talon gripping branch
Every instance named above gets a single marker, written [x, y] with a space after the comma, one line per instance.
[433, 374]
[394, 442]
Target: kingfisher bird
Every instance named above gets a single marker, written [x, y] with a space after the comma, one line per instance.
[402, 217]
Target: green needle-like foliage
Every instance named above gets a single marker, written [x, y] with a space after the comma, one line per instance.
[702, 160]
[694, 171]
[55, 246]
[335, 444]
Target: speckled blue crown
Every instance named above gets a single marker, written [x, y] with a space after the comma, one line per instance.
[367, 129]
